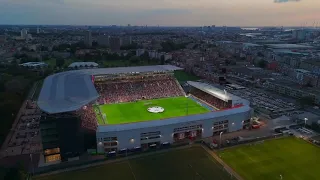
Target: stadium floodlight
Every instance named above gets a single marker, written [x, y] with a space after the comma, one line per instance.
[305, 121]
[220, 138]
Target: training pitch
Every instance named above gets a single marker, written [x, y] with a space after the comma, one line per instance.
[291, 158]
[186, 164]
[138, 111]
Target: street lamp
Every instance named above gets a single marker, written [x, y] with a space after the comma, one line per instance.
[305, 121]
[220, 138]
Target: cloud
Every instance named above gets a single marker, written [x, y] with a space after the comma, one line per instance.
[154, 12]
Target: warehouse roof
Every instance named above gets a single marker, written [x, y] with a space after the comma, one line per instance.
[70, 90]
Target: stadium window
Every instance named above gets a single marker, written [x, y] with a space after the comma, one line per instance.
[154, 137]
[226, 121]
[114, 144]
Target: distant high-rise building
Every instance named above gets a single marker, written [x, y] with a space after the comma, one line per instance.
[300, 34]
[38, 30]
[24, 33]
[125, 41]
[88, 38]
[103, 40]
[114, 43]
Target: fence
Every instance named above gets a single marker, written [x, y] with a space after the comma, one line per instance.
[248, 141]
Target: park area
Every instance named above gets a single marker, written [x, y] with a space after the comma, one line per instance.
[188, 164]
[138, 111]
[285, 158]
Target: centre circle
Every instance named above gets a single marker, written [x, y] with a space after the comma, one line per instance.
[156, 109]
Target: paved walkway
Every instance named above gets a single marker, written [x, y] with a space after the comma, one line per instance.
[226, 167]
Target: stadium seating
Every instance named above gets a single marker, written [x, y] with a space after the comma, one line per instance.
[127, 89]
[87, 116]
[132, 89]
[216, 102]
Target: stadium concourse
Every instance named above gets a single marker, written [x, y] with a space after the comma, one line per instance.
[111, 106]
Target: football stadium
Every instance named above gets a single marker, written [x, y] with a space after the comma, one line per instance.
[131, 108]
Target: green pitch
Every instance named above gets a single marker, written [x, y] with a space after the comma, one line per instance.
[291, 157]
[184, 164]
[137, 111]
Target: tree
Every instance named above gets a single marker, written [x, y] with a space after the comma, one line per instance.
[262, 63]
[60, 62]
[134, 59]
[145, 56]
[260, 54]
[162, 60]
[306, 100]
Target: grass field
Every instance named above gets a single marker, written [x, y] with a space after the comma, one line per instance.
[137, 111]
[293, 158]
[186, 164]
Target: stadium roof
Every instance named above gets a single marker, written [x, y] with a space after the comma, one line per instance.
[70, 90]
[216, 92]
[177, 120]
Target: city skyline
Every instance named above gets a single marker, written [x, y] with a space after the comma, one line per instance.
[163, 13]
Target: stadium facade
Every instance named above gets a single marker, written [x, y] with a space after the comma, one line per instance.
[67, 98]
[161, 132]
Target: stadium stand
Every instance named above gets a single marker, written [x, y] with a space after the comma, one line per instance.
[137, 88]
[213, 101]
[88, 118]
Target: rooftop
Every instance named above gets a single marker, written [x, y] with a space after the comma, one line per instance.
[70, 90]
[290, 46]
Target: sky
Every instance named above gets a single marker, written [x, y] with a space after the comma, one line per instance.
[162, 12]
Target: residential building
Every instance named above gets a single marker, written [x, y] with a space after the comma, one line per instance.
[24, 33]
[88, 38]
[114, 43]
[103, 40]
[125, 41]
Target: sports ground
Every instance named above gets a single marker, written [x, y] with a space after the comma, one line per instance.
[137, 111]
[292, 158]
[188, 164]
